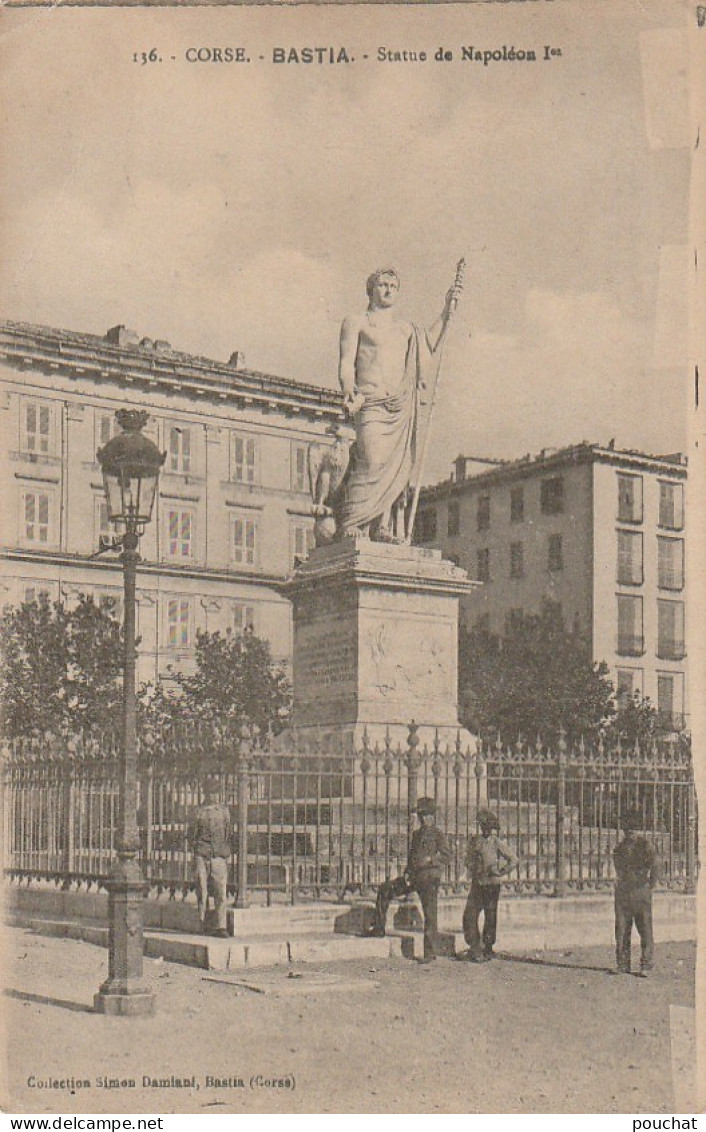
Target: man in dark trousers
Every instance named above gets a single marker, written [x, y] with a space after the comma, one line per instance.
[636, 875]
[210, 837]
[488, 859]
[429, 852]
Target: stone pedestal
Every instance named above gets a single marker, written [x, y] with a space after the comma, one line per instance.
[376, 643]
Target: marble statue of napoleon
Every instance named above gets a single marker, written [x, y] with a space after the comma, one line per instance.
[384, 366]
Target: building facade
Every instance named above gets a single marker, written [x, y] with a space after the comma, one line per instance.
[233, 506]
[600, 532]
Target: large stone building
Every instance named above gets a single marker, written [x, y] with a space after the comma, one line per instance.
[233, 508]
[599, 531]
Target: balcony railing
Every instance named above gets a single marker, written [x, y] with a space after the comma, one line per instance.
[671, 580]
[671, 650]
[631, 645]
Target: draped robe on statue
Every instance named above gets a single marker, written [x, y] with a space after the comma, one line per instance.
[385, 450]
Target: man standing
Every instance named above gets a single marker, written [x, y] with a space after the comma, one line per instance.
[488, 860]
[382, 368]
[636, 876]
[429, 852]
[210, 837]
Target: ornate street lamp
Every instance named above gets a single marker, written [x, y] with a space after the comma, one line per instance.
[130, 463]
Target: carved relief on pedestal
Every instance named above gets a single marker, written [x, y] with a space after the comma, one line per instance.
[403, 665]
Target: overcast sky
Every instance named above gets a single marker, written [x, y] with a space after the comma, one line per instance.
[242, 206]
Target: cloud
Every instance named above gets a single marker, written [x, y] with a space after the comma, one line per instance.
[576, 368]
[230, 208]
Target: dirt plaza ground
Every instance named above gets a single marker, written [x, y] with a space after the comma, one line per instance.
[535, 1032]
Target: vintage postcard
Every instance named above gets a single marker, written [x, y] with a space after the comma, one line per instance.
[350, 564]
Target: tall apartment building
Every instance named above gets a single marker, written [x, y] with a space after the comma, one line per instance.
[233, 508]
[599, 531]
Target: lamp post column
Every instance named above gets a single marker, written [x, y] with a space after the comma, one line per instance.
[124, 991]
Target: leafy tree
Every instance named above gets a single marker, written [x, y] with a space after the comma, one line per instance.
[636, 721]
[236, 681]
[61, 668]
[535, 679]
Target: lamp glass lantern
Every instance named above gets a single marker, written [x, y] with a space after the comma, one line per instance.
[130, 463]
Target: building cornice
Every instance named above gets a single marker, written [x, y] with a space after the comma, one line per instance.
[516, 470]
[85, 356]
[145, 568]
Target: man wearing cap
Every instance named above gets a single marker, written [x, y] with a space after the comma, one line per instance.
[488, 860]
[210, 838]
[636, 875]
[429, 852]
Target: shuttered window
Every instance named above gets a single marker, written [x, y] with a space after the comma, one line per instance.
[670, 563]
[630, 632]
[670, 630]
[630, 570]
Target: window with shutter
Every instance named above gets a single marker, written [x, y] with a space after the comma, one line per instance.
[36, 437]
[671, 505]
[517, 505]
[179, 447]
[243, 459]
[630, 632]
[670, 563]
[36, 516]
[670, 630]
[244, 540]
[453, 526]
[180, 529]
[629, 499]
[517, 560]
[299, 467]
[630, 569]
[483, 565]
[179, 622]
[243, 618]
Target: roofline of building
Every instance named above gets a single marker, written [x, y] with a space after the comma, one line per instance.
[77, 356]
[584, 453]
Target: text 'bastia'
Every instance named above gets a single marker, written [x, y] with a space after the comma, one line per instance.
[311, 55]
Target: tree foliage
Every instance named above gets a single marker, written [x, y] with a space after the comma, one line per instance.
[61, 668]
[532, 681]
[62, 674]
[235, 681]
[637, 721]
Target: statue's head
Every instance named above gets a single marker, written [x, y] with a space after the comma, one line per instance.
[382, 286]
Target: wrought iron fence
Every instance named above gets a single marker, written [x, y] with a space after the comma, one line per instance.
[317, 823]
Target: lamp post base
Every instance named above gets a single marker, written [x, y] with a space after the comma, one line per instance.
[124, 991]
[124, 1002]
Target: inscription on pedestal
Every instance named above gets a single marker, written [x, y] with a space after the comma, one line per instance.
[325, 657]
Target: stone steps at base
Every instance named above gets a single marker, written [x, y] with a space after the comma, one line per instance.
[286, 920]
[228, 954]
[234, 954]
[95, 933]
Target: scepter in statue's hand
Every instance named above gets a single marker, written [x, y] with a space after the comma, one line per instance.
[452, 297]
[456, 289]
